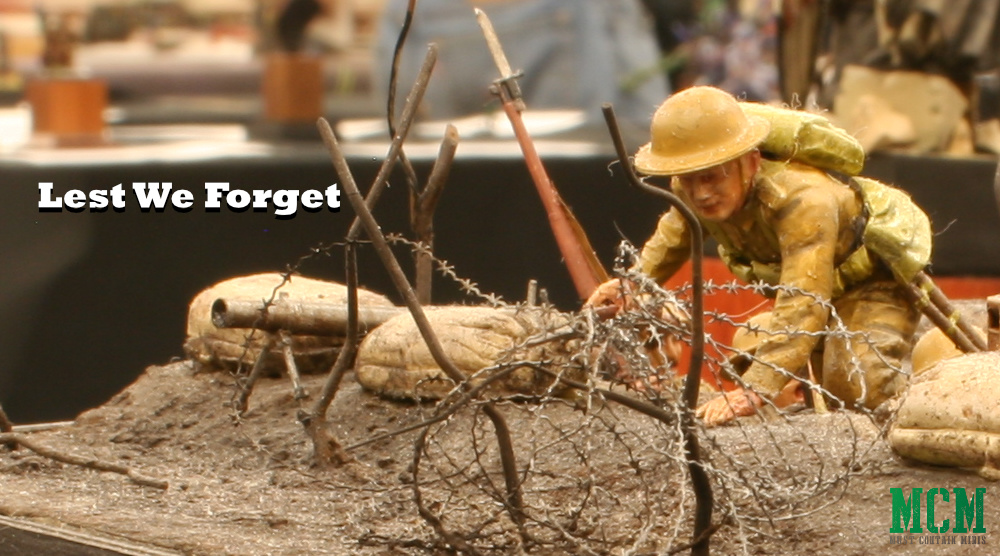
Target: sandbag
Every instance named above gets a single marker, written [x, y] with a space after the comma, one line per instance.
[393, 360]
[948, 416]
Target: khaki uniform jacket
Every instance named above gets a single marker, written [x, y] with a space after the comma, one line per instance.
[798, 221]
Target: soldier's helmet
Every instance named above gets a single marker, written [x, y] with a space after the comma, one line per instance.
[698, 128]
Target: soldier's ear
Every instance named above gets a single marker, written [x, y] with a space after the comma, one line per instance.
[751, 162]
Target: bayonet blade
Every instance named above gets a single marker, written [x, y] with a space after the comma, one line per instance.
[493, 42]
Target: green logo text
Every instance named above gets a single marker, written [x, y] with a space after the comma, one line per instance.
[906, 512]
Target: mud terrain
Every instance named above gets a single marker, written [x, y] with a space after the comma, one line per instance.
[246, 486]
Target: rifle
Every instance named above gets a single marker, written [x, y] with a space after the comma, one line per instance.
[931, 301]
[584, 267]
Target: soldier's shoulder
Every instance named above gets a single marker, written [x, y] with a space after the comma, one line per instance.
[790, 170]
[780, 181]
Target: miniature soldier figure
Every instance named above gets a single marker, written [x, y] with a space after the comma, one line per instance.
[822, 242]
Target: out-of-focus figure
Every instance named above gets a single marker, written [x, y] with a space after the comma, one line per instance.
[675, 22]
[574, 54]
[729, 44]
[315, 26]
[293, 21]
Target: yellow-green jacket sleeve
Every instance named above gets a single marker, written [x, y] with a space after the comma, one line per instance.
[667, 249]
[808, 239]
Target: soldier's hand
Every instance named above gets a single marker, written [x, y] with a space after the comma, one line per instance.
[610, 297]
[735, 403]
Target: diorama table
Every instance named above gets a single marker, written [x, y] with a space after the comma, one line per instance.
[91, 298]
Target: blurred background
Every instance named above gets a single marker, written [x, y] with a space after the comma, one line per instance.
[94, 93]
[182, 61]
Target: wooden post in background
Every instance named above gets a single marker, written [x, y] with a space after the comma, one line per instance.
[292, 88]
[69, 108]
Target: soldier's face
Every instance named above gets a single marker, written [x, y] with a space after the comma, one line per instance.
[715, 193]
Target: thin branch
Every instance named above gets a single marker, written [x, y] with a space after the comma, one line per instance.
[430, 517]
[441, 358]
[699, 477]
[406, 119]
[326, 448]
[411, 175]
[6, 426]
[88, 462]
[422, 207]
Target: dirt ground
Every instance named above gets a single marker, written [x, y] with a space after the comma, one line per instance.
[246, 487]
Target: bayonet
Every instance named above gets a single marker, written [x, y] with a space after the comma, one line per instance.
[507, 87]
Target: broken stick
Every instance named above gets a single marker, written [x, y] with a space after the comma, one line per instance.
[88, 462]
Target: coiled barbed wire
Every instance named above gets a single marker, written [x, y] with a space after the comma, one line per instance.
[597, 477]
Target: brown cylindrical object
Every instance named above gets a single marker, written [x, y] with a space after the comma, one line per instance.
[933, 313]
[292, 87]
[296, 317]
[68, 106]
[938, 299]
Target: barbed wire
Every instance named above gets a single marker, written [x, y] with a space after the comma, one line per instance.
[599, 478]
[446, 269]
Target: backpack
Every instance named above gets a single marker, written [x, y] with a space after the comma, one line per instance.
[808, 138]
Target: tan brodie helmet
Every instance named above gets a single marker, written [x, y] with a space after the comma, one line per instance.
[698, 128]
